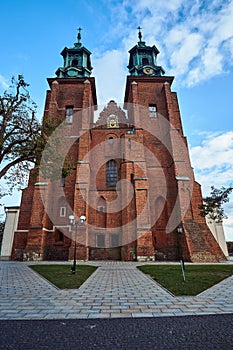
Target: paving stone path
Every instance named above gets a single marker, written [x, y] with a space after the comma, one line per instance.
[116, 289]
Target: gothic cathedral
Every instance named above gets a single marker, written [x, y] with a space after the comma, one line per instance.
[114, 183]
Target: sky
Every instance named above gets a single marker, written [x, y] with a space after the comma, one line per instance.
[195, 40]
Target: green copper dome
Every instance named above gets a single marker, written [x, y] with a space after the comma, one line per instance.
[77, 62]
[143, 59]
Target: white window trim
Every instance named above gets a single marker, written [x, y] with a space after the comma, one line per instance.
[62, 211]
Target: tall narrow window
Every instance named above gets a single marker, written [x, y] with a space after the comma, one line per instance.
[62, 211]
[69, 114]
[63, 182]
[100, 241]
[101, 216]
[111, 173]
[114, 240]
[152, 111]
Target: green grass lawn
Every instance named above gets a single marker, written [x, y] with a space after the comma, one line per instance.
[197, 277]
[61, 276]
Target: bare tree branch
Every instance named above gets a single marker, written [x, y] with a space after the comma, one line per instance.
[19, 130]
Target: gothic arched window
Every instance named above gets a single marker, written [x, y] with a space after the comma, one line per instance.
[111, 173]
[111, 140]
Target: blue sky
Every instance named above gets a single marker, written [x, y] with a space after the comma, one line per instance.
[195, 39]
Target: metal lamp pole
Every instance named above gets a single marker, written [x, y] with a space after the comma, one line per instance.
[180, 231]
[74, 224]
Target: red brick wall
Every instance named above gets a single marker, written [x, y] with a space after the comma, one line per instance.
[154, 160]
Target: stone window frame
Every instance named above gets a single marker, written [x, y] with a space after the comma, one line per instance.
[111, 173]
[63, 212]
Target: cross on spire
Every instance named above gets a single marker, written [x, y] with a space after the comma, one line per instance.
[79, 34]
[139, 33]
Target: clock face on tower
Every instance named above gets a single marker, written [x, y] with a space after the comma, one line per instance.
[148, 70]
[72, 72]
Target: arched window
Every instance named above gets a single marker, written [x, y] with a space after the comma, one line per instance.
[111, 140]
[111, 173]
[101, 207]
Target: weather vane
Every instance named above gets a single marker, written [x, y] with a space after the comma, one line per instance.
[139, 33]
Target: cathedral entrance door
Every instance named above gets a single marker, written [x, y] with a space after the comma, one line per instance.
[115, 250]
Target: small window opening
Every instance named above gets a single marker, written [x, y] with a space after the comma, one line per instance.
[152, 111]
[75, 63]
[62, 211]
[145, 61]
[111, 140]
[63, 181]
[69, 114]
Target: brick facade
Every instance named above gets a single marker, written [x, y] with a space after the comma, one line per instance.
[137, 218]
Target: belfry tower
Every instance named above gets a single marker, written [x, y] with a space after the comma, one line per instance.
[46, 204]
[130, 171]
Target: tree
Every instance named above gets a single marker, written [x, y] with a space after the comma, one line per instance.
[53, 157]
[19, 133]
[212, 204]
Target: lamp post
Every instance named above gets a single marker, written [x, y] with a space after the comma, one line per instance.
[180, 231]
[75, 222]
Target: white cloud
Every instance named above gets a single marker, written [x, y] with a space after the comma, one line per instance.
[214, 151]
[195, 37]
[224, 27]
[213, 166]
[108, 73]
[154, 6]
[183, 55]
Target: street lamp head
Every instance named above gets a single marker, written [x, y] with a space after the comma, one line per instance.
[179, 229]
[82, 219]
[71, 218]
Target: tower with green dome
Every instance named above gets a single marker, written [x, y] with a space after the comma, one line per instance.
[77, 62]
[143, 59]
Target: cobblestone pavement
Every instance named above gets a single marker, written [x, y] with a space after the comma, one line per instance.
[116, 289]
